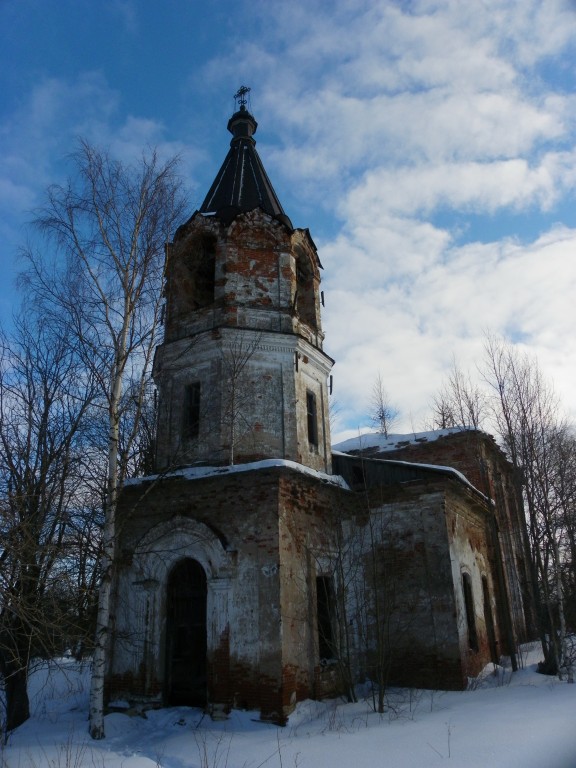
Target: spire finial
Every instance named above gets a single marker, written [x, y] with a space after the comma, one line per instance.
[240, 96]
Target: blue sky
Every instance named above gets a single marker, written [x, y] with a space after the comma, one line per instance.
[428, 145]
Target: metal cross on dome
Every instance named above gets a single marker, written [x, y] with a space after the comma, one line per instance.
[240, 96]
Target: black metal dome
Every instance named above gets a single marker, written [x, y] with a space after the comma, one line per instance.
[242, 184]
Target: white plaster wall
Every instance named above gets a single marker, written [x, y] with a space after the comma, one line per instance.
[141, 596]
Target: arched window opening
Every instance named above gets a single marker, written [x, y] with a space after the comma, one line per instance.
[200, 261]
[305, 297]
[191, 411]
[312, 419]
[470, 614]
[325, 610]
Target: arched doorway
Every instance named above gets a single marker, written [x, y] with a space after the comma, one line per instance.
[186, 635]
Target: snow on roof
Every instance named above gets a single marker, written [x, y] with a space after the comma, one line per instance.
[376, 440]
[434, 467]
[193, 473]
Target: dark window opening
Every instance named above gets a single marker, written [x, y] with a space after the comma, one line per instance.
[312, 418]
[191, 411]
[325, 603]
[470, 614]
[489, 621]
[202, 267]
[305, 298]
[358, 476]
[301, 275]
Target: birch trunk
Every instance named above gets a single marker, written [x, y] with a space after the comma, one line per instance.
[108, 539]
[113, 222]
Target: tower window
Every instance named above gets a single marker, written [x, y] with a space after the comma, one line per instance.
[470, 614]
[201, 259]
[305, 300]
[312, 418]
[191, 411]
[325, 604]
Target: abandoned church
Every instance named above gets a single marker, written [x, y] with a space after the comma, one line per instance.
[258, 566]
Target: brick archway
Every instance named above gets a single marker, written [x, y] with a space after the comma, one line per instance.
[155, 568]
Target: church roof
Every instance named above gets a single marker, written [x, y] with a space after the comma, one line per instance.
[242, 184]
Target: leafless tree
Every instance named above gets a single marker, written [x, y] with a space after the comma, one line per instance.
[386, 611]
[137, 435]
[529, 421]
[563, 493]
[110, 224]
[45, 394]
[339, 569]
[238, 391]
[460, 403]
[365, 616]
[563, 483]
[382, 412]
[334, 414]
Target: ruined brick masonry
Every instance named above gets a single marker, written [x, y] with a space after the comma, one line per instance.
[257, 567]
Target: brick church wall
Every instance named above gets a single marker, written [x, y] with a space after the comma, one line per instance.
[476, 455]
[245, 661]
[277, 529]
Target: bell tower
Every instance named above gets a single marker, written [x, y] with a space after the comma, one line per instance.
[241, 374]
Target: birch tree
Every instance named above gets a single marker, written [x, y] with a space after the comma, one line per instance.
[110, 224]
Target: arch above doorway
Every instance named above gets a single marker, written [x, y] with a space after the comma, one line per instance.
[174, 539]
[180, 587]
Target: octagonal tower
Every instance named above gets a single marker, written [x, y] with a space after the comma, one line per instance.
[242, 374]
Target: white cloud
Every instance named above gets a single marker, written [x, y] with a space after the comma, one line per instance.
[480, 187]
[410, 330]
[387, 117]
[421, 109]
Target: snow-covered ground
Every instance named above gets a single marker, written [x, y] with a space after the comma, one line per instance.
[523, 720]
